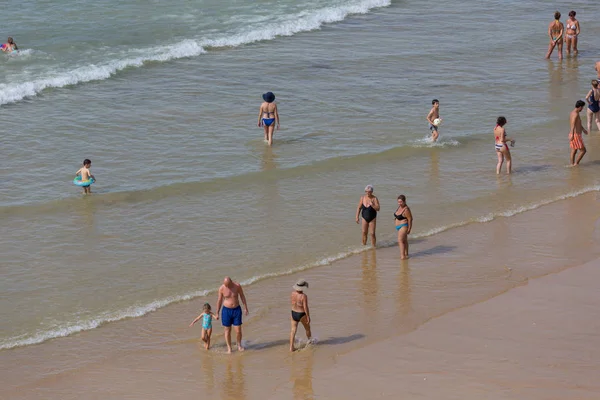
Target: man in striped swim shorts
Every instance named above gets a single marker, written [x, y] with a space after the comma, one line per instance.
[575, 138]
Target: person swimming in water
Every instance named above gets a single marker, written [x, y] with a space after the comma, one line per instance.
[268, 116]
[573, 30]
[555, 31]
[367, 209]
[9, 46]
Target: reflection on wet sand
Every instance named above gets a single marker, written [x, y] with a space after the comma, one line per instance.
[233, 379]
[269, 159]
[208, 371]
[556, 77]
[369, 285]
[404, 294]
[302, 376]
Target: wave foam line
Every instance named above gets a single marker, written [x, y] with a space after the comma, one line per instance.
[300, 22]
[287, 26]
[139, 311]
[11, 93]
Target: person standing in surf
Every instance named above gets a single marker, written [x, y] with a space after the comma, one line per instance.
[575, 138]
[593, 111]
[573, 30]
[367, 209]
[268, 116]
[556, 30]
[404, 221]
[300, 312]
[501, 146]
[597, 68]
[229, 297]
[434, 114]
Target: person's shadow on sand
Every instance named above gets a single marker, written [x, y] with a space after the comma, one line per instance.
[440, 249]
[330, 341]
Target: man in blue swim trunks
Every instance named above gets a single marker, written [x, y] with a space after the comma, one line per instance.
[229, 294]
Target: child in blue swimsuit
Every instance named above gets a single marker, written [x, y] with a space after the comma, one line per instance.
[207, 317]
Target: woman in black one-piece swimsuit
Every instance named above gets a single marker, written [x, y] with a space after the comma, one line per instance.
[367, 209]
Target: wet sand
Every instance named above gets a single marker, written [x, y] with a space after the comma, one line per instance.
[369, 312]
[539, 341]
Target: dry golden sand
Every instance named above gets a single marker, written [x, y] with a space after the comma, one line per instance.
[419, 328]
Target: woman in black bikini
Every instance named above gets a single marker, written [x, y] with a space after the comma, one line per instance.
[404, 219]
[367, 209]
[300, 311]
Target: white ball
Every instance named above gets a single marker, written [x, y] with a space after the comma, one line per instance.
[436, 121]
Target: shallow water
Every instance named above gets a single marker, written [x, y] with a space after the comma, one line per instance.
[187, 191]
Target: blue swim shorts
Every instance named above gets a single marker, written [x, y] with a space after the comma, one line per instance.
[231, 316]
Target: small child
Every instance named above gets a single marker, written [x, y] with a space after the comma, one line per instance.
[85, 174]
[207, 317]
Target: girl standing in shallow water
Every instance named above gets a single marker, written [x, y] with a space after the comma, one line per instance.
[268, 116]
[502, 147]
[556, 30]
[207, 317]
[404, 221]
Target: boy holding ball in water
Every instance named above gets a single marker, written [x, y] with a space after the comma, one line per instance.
[434, 119]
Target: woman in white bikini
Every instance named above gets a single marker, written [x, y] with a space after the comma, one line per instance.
[502, 147]
[573, 30]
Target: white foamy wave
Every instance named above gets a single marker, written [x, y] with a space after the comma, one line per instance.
[427, 142]
[80, 326]
[10, 93]
[138, 311]
[289, 25]
[508, 213]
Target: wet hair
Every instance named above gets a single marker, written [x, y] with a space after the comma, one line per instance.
[402, 197]
[594, 83]
[557, 15]
[11, 41]
[501, 121]
[87, 161]
[206, 307]
[579, 104]
[572, 13]
[434, 101]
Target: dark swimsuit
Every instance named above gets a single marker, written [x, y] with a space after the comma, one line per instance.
[594, 104]
[368, 213]
[297, 316]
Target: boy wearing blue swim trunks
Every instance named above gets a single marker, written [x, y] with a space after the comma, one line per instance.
[206, 317]
[229, 295]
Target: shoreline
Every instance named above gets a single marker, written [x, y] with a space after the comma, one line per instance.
[355, 303]
[144, 309]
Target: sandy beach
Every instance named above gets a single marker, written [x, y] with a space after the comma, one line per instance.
[537, 341]
[468, 311]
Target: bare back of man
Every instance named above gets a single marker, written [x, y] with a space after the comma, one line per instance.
[230, 294]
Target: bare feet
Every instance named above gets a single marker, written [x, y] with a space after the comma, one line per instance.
[240, 348]
[229, 350]
[292, 349]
